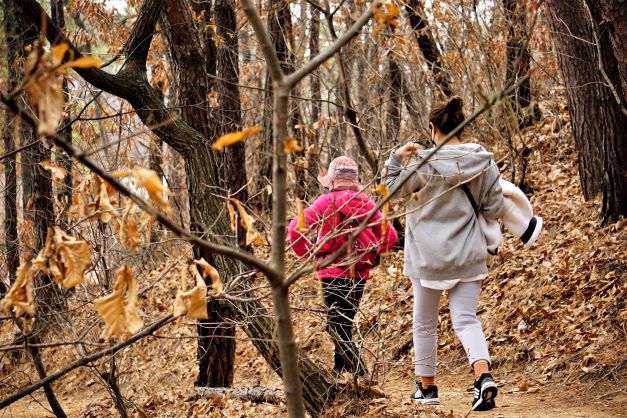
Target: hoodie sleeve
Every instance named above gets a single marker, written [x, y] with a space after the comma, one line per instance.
[395, 173]
[492, 205]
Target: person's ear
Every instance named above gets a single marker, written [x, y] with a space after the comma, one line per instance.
[432, 130]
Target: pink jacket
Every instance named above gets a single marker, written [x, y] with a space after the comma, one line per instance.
[330, 213]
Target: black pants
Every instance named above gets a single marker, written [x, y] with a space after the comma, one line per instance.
[341, 298]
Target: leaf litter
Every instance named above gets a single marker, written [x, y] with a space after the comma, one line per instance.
[554, 316]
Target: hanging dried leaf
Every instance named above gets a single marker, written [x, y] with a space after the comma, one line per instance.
[21, 296]
[44, 84]
[194, 301]
[301, 223]
[58, 51]
[58, 172]
[383, 191]
[291, 145]
[150, 180]
[84, 62]
[64, 257]
[129, 231]
[231, 215]
[211, 272]
[119, 309]
[77, 208]
[105, 211]
[248, 222]
[234, 137]
[384, 14]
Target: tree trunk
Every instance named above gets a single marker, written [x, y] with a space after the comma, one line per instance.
[394, 105]
[15, 47]
[216, 344]
[517, 57]
[428, 46]
[313, 153]
[132, 85]
[596, 117]
[64, 190]
[609, 23]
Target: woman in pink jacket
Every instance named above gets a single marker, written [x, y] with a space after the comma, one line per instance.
[330, 221]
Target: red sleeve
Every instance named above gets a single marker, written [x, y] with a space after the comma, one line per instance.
[301, 244]
[386, 243]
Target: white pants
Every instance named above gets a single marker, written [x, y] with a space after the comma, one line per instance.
[463, 299]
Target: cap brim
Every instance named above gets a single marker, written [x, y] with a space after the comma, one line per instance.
[324, 179]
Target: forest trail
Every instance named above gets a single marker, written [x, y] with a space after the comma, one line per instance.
[551, 400]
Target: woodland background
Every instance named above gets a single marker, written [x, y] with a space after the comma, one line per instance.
[143, 258]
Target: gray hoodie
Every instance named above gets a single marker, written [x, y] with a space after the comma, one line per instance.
[443, 239]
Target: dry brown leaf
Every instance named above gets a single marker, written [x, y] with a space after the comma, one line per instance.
[119, 309]
[129, 231]
[231, 215]
[192, 302]
[301, 223]
[248, 222]
[21, 295]
[84, 62]
[211, 272]
[104, 209]
[64, 257]
[290, 145]
[383, 190]
[234, 137]
[58, 172]
[150, 180]
[384, 14]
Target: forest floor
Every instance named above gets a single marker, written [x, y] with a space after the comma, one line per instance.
[555, 318]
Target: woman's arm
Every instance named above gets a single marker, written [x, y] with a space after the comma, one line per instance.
[395, 170]
[300, 243]
[492, 207]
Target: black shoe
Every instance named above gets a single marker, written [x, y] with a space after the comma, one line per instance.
[484, 393]
[428, 396]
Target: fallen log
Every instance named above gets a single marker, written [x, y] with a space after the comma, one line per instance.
[255, 394]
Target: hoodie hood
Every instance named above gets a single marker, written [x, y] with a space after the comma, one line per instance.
[457, 163]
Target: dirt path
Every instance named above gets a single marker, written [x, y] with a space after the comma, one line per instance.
[553, 400]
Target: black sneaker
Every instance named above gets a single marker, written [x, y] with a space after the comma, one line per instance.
[428, 396]
[484, 393]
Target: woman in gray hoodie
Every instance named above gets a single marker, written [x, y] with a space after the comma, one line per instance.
[445, 248]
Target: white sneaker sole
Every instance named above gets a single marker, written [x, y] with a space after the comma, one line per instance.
[432, 401]
[488, 391]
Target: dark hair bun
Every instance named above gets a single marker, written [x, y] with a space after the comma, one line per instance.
[455, 104]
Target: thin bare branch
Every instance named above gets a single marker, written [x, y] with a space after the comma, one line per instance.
[264, 39]
[160, 323]
[166, 221]
[316, 61]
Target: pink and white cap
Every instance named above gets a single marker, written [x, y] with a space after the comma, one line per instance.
[343, 174]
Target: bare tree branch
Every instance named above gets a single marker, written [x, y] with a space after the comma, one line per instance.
[264, 39]
[86, 360]
[236, 253]
[139, 40]
[316, 61]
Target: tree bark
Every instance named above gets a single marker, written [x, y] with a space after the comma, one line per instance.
[313, 153]
[15, 47]
[609, 23]
[131, 84]
[394, 105]
[596, 117]
[517, 58]
[64, 190]
[216, 344]
[428, 45]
